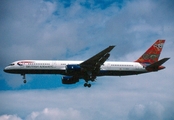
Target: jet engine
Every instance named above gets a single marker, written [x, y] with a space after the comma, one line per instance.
[69, 80]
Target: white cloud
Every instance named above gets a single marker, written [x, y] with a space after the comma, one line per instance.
[48, 114]
[38, 29]
[108, 98]
[55, 114]
[9, 117]
[152, 111]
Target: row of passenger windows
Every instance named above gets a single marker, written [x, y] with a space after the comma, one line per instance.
[121, 65]
[38, 63]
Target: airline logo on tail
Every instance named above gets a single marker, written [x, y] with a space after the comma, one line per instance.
[152, 54]
[159, 46]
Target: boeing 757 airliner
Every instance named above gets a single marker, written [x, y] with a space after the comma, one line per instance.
[95, 66]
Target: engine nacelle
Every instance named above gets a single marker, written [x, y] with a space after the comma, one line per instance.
[73, 69]
[69, 80]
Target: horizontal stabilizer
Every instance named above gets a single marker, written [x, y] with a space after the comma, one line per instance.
[157, 64]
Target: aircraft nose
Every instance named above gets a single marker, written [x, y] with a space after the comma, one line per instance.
[6, 69]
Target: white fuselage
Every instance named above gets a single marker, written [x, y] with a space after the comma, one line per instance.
[93, 67]
[59, 67]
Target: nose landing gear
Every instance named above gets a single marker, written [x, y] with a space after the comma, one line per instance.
[24, 78]
[25, 81]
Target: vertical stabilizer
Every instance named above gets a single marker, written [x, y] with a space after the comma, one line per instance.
[153, 53]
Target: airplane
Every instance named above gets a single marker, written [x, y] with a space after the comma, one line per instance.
[93, 67]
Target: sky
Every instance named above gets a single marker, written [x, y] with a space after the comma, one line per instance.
[77, 30]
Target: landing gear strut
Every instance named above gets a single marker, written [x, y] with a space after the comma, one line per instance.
[24, 78]
[89, 78]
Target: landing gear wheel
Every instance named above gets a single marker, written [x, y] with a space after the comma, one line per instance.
[25, 81]
[87, 85]
[24, 78]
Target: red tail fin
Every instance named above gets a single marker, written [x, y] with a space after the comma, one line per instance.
[153, 53]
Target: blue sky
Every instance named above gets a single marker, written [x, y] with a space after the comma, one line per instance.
[76, 30]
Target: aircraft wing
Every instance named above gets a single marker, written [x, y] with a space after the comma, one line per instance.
[97, 60]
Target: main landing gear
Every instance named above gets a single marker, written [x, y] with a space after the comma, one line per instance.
[87, 85]
[24, 78]
[89, 77]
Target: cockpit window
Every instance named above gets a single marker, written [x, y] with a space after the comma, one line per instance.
[12, 64]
